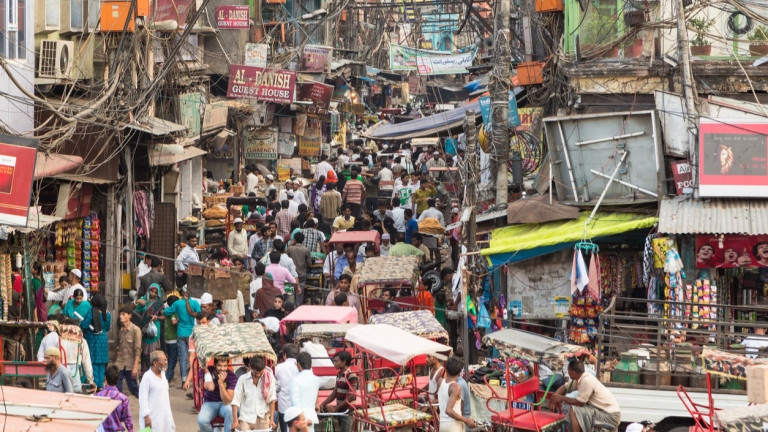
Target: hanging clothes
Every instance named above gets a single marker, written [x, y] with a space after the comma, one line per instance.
[579, 276]
[593, 285]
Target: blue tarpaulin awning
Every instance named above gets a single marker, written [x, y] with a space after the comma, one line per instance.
[422, 127]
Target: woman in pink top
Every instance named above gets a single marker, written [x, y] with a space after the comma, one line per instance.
[280, 274]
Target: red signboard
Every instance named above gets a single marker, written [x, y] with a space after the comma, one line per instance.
[17, 169]
[681, 171]
[316, 58]
[233, 17]
[171, 10]
[731, 251]
[733, 158]
[264, 84]
[317, 93]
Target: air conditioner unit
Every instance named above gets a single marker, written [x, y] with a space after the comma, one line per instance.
[56, 59]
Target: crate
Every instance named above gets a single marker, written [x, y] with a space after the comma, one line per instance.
[549, 6]
[530, 73]
[114, 15]
[237, 190]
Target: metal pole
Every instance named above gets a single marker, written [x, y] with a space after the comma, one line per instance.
[500, 102]
[28, 285]
[605, 190]
[688, 85]
[568, 162]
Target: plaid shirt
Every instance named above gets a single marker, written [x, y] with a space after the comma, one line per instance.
[261, 248]
[283, 220]
[121, 414]
[312, 238]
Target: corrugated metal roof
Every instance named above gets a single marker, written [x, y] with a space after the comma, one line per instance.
[156, 126]
[685, 215]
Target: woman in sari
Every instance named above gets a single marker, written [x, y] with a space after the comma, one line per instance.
[95, 327]
[78, 307]
[151, 308]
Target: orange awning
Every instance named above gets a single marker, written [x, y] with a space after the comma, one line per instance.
[48, 165]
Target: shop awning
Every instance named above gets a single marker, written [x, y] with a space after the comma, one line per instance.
[35, 221]
[519, 242]
[164, 154]
[685, 215]
[50, 164]
[425, 126]
[156, 126]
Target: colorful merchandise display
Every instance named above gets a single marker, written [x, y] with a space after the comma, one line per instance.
[6, 284]
[77, 244]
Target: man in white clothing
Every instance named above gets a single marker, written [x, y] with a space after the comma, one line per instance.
[432, 212]
[251, 410]
[154, 402]
[304, 390]
[237, 240]
[298, 195]
[283, 194]
[285, 372]
[74, 283]
[251, 180]
[323, 167]
[143, 268]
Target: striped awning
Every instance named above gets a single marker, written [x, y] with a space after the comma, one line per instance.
[685, 215]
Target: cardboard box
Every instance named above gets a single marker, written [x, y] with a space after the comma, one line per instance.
[757, 384]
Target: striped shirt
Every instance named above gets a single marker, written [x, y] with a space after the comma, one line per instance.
[121, 415]
[354, 190]
[283, 220]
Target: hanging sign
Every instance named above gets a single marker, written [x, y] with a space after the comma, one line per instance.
[562, 306]
[317, 93]
[233, 17]
[256, 54]
[681, 172]
[171, 10]
[264, 84]
[429, 62]
[315, 58]
[283, 172]
[733, 158]
[260, 143]
[309, 144]
[731, 251]
[512, 114]
[285, 144]
[17, 170]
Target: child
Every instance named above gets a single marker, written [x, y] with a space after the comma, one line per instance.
[277, 309]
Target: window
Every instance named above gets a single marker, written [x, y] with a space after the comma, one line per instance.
[13, 29]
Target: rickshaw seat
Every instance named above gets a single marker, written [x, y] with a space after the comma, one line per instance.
[505, 416]
[539, 421]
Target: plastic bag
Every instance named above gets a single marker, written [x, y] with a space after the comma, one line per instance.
[483, 317]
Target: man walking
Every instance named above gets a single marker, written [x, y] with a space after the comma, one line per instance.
[154, 401]
[128, 352]
[185, 309]
[285, 372]
[154, 276]
[218, 389]
[304, 389]
[237, 241]
[354, 192]
[120, 419]
[253, 405]
[302, 259]
[330, 203]
[58, 377]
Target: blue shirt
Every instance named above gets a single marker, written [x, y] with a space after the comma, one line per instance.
[411, 228]
[186, 322]
[342, 263]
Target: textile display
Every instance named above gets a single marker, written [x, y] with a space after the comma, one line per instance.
[728, 364]
[232, 340]
[748, 418]
[396, 415]
[420, 323]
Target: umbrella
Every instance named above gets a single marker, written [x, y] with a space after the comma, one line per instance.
[537, 209]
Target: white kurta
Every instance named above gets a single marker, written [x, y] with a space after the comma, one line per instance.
[155, 402]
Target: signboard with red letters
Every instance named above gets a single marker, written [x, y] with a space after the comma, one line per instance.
[17, 169]
[264, 84]
[315, 58]
[681, 172]
[733, 158]
[171, 10]
[317, 93]
[233, 17]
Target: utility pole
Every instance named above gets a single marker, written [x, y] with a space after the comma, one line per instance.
[688, 86]
[468, 232]
[500, 101]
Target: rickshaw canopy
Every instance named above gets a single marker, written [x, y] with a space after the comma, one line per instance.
[356, 237]
[382, 270]
[420, 323]
[320, 314]
[532, 347]
[323, 331]
[394, 344]
[727, 364]
[425, 142]
[232, 340]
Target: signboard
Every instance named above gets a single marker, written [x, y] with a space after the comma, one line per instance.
[233, 17]
[733, 158]
[283, 172]
[731, 251]
[315, 58]
[516, 306]
[429, 62]
[256, 54]
[263, 84]
[310, 145]
[260, 143]
[17, 170]
[681, 171]
[512, 113]
[562, 305]
[285, 144]
[171, 10]
[317, 93]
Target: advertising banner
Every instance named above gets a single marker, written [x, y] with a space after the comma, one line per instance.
[731, 251]
[429, 62]
[256, 54]
[171, 10]
[315, 58]
[264, 84]
[317, 93]
[260, 143]
[681, 172]
[285, 144]
[233, 17]
[512, 114]
[17, 170]
[309, 144]
[733, 158]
